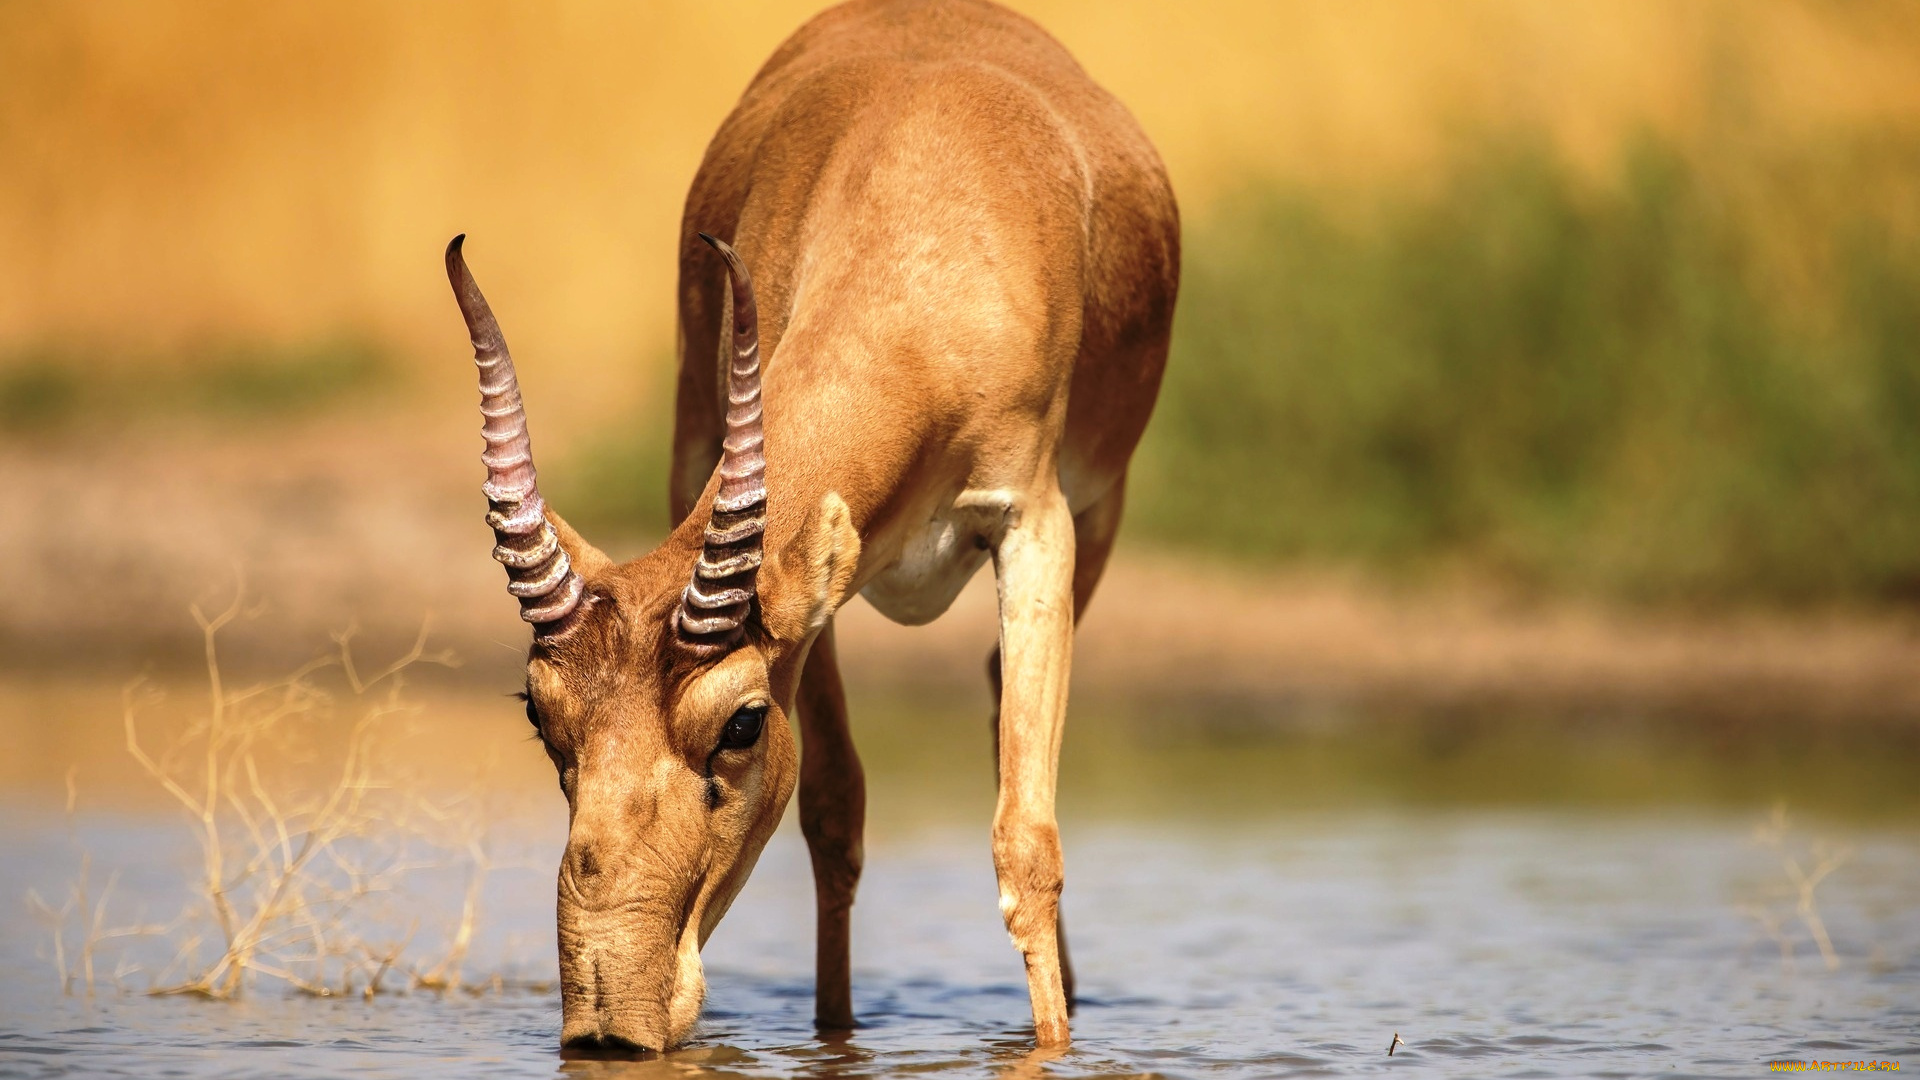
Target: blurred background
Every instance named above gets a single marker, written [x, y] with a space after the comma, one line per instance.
[1567, 708]
[1571, 348]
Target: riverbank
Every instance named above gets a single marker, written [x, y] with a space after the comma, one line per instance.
[334, 524]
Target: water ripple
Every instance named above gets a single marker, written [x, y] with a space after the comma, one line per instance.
[1484, 942]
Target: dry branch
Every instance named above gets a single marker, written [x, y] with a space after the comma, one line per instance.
[295, 879]
[1798, 897]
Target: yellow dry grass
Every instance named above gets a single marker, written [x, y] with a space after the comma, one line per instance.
[180, 172]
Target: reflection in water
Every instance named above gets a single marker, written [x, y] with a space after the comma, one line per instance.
[1285, 943]
[1029, 1064]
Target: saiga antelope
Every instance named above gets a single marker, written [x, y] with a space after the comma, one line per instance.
[964, 261]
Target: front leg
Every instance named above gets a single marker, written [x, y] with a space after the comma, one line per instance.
[833, 810]
[1033, 563]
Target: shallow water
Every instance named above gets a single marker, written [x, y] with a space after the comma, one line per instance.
[1495, 943]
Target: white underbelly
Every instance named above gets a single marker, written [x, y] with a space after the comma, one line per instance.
[938, 560]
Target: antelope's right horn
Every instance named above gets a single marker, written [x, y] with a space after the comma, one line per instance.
[538, 571]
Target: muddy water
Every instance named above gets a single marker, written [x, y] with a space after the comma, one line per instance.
[1223, 925]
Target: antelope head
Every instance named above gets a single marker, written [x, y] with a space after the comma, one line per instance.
[661, 689]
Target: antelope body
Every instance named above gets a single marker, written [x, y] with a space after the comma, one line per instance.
[964, 259]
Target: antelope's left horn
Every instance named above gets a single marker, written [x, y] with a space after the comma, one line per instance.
[539, 574]
[714, 608]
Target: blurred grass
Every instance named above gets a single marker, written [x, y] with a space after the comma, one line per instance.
[1690, 382]
[48, 390]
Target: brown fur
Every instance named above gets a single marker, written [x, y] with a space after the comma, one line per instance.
[965, 255]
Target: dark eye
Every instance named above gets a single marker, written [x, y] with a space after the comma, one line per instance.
[743, 729]
[533, 714]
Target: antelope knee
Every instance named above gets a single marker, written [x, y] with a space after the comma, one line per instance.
[836, 874]
[837, 853]
[1028, 862]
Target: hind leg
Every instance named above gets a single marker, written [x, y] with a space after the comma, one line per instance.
[1094, 530]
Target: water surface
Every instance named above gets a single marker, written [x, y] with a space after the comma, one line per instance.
[1494, 942]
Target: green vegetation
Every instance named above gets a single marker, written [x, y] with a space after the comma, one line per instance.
[1690, 382]
[49, 390]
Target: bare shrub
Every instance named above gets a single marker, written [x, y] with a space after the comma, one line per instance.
[1796, 898]
[304, 833]
[76, 966]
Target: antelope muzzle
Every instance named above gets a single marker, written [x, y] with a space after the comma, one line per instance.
[630, 974]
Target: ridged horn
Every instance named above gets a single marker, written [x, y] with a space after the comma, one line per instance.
[716, 603]
[538, 571]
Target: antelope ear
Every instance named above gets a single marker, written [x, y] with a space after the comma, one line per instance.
[821, 561]
[587, 560]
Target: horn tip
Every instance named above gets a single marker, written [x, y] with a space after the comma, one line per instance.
[456, 262]
[726, 251]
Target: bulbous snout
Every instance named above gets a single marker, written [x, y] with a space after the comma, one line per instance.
[657, 849]
[630, 973]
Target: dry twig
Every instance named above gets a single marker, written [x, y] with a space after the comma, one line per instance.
[1803, 882]
[289, 873]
